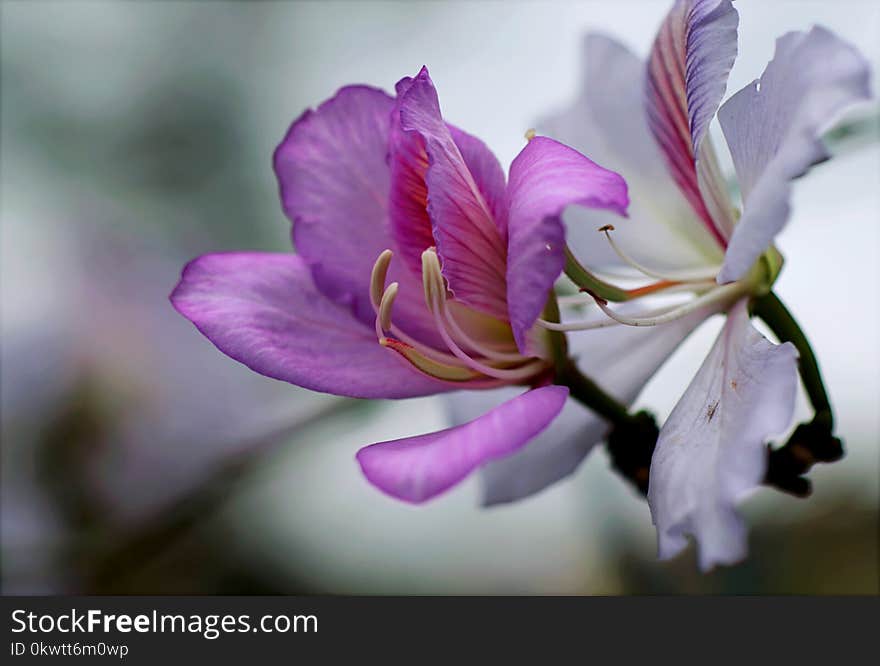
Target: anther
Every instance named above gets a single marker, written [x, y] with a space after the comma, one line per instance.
[377, 277]
[385, 306]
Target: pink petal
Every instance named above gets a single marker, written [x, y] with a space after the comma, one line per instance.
[545, 178]
[334, 178]
[263, 310]
[415, 469]
[468, 242]
[334, 182]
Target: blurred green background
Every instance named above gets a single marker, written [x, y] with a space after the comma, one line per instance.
[138, 459]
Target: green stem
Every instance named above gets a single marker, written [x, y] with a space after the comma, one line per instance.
[774, 313]
[588, 393]
[589, 282]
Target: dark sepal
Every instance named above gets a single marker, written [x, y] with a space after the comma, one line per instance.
[809, 444]
[631, 444]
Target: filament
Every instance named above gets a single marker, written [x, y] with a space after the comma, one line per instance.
[690, 276]
[718, 295]
[435, 295]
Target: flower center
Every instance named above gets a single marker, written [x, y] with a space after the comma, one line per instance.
[467, 356]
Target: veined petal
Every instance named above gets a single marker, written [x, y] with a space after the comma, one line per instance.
[686, 79]
[545, 178]
[334, 182]
[410, 222]
[468, 242]
[621, 360]
[415, 469]
[334, 178]
[263, 310]
[773, 127]
[487, 174]
[408, 209]
[608, 123]
[711, 451]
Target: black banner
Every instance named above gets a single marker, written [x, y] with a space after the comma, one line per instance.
[144, 630]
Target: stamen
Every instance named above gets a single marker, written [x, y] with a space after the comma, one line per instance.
[577, 326]
[383, 318]
[429, 366]
[435, 295]
[384, 324]
[689, 276]
[377, 278]
[531, 134]
[719, 295]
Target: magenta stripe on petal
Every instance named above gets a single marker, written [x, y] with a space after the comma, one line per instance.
[415, 469]
[686, 79]
[468, 241]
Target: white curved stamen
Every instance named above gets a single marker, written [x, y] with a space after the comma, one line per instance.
[720, 295]
[577, 326]
[583, 298]
[680, 276]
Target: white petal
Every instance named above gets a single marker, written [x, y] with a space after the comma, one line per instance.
[711, 451]
[621, 360]
[608, 124]
[773, 127]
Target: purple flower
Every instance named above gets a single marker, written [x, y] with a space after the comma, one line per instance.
[650, 122]
[418, 270]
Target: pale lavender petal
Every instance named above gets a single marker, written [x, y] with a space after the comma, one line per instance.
[468, 242]
[263, 310]
[607, 122]
[621, 360]
[773, 127]
[711, 451]
[408, 201]
[545, 178]
[686, 79]
[415, 469]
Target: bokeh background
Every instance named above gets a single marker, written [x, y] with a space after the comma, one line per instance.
[138, 459]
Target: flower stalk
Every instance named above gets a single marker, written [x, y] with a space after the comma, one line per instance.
[813, 441]
[772, 311]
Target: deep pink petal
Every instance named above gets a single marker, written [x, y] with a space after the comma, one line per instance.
[263, 310]
[334, 177]
[410, 223]
[334, 180]
[545, 178]
[488, 175]
[774, 127]
[408, 205]
[686, 79]
[470, 247]
[415, 469]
